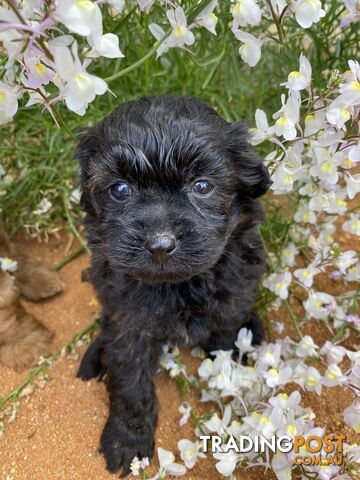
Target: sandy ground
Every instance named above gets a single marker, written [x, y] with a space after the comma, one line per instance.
[56, 430]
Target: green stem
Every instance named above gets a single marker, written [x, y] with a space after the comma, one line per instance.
[71, 223]
[69, 258]
[47, 362]
[191, 17]
[277, 22]
[293, 319]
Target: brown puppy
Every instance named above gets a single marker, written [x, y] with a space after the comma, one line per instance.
[34, 281]
[23, 339]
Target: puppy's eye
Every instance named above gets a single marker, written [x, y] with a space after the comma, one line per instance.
[202, 187]
[120, 191]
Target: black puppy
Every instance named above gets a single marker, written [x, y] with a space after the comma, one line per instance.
[169, 189]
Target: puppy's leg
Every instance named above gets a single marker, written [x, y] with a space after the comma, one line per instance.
[91, 366]
[256, 326]
[37, 282]
[225, 339]
[23, 339]
[131, 362]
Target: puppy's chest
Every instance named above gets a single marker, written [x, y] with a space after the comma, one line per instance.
[169, 312]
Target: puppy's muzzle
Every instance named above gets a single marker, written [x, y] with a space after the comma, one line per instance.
[161, 247]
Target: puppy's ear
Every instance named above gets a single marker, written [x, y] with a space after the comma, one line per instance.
[253, 176]
[86, 149]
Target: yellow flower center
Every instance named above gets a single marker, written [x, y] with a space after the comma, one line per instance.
[345, 113]
[82, 81]
[326, 167]
[40, 68]
[309, 118]
[282, 121]
[85, 5]
[179, 31]
[341, 203]
[292, 430]
[355, 86]
[311, 381]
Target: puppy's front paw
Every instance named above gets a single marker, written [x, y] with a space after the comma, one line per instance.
[37, 282]
[91, 366]
[120, 444]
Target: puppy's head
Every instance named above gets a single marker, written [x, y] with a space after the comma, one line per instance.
[165, 183]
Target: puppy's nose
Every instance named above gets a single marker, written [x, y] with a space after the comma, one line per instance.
[161, 246]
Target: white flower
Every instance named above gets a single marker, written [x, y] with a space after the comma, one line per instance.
[304, 214]
[227, 462]
[246, 12]
[44, 207]
[207, 17]
[275, 377]
[189, 452]
[334, 353]
[333, 376]
[180, 35]
[215, 424]
[8, 265]
[325, 167]
[106, 45]
[309, 378]
[313, 123]
[288, 255]
[298, 80]
[37, 73]
[287, 118]
[306, 347]
[185, 409]
[117, 5]
[319, 305]
[283, 180]
[338, 116]
[352, 416]
[285, 402]
[278, 283]
[352, 184]
[79, 16]
[308, 12]
[306, 275]
[80, 87]
[167, 465]
[135, 466]
[244, 341]
[250, 52]
[8, 102]
[354, 154]
[262, 130]
[206, 368]
[345, 260]
[282, 465]
[352, 225]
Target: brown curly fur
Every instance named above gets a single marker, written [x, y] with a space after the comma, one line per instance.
[23, 339]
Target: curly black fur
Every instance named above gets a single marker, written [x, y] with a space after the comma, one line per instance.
[203, 293]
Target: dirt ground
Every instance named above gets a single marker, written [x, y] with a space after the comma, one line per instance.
[56, 430]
